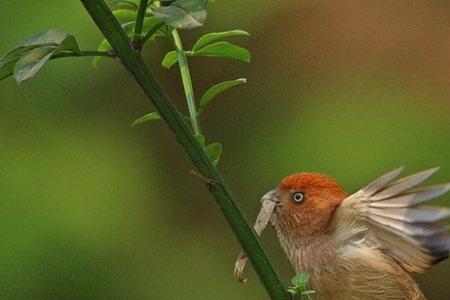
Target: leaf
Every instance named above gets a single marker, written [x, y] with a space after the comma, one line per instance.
[216, 89]
[166, 31]
[36, 50]
[30, 55]
[200, 139]
[308, 292]
[214, 36]
[214, 151]
[153, 116]
[7, 67]
[129, 28]
[135, 2]
[103, 46]
[17, 52]
[125, 15]
[224, 49]
[127, 5]
[149, 24]
[69, 44]
[8, 62]
[183, 14]
[29, 64]
[300, 280]
[53, 36]
[169, 59]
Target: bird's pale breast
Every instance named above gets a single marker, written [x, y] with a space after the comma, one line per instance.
[363, 274]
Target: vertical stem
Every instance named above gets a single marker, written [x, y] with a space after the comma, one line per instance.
[139, 22]
[150, 33]
[134, 63]
[187, 83]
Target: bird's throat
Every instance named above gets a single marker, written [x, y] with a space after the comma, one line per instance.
[308, 254]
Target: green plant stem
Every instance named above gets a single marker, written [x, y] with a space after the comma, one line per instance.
[139, 22]
[83, 54]
[187, 82]
[150, 33]
[134, 63]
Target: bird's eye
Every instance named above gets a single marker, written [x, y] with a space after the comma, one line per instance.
[298, 197]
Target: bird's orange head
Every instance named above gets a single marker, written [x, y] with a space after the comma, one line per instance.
[307, 202]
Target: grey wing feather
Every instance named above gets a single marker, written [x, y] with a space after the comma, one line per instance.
[382, 181]
[420, 214]
[413, 197]
[403, 184]
[411, 233]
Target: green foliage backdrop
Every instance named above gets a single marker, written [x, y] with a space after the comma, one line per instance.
[91, 208]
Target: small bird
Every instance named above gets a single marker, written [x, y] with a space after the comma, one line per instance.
[365, 245]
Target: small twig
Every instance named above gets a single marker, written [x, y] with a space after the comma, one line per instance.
[187, 82]
[139, 22]
[150, 33]
[209, 181]
[84, 54]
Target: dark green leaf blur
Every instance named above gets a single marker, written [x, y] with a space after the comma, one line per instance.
[91, 208]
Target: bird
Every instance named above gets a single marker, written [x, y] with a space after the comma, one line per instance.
[365, 245]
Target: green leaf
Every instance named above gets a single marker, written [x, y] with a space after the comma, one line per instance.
[183, 14]
[30, 55]
[200, 139]
[214, 36]
[53, 36]
[103, 46]
[224, 49]
[7, 67]
[127, 5]
[69, 44]
[300, 280]
[308, 292]
[214, 151]
[8, 62]
[133, 3]
[17, 52]
[149, 24]
[216, 89]
[153, 116]
[129, 27]
[169, 59]
[29, 64]
[125, 15]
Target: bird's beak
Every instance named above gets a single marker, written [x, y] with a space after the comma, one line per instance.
[271, 196]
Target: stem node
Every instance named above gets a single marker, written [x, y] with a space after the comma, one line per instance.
[210, 182]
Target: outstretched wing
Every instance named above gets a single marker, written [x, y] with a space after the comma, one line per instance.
[393, 214]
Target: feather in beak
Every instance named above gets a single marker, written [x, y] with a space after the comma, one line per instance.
[268, 203]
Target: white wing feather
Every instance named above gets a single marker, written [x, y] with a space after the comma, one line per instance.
[409, 232]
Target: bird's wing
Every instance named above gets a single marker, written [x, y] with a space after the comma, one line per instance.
[393, 213]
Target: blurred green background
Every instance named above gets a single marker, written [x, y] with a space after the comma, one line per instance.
[91, 208]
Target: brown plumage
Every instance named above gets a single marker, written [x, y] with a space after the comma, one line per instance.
[361, 246]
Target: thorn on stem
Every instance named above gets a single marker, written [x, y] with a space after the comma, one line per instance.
[210, 182]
